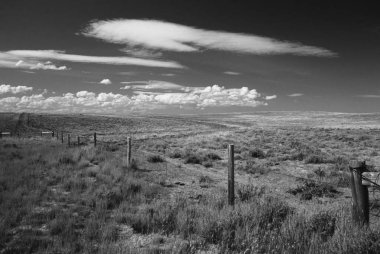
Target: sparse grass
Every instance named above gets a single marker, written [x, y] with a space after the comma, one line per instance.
[55, 199]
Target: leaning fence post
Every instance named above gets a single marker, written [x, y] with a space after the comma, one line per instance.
[94, 138]
[360, 199]
[129, 151]
[231, 177]
[68, 139]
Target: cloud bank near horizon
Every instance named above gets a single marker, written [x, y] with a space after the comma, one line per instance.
[14, 89]
[90, 102]
[160, 35]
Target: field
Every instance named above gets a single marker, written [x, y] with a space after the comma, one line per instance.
[292, 183]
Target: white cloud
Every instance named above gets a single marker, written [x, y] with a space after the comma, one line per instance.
[270, 97]
[295, 94]
[48, 66]
[105, 81]
[153, 85]
[12, 61]
[90, 102]
[159, 35]
[370, 96]
[231, 73]
[14, 89]
[30, 58]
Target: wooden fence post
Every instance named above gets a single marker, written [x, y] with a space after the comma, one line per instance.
[360, 195]
[95, 139]
[52, 134]
[129, 151]
[231, 176]
[68, 139]
[57, 135]
[62, 137]
[78, 141]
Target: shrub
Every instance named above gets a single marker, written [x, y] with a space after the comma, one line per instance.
[310, 188]
[257, 153]
[192, 159]
[155, 159]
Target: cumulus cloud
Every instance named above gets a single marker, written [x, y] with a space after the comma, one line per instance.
[48, 66]
[105, 81]
[30, 58]
[204, 97]
[14, 89]
[231, 73]
[159, 35]
[90, 102]
[11, 61]
[295, 94]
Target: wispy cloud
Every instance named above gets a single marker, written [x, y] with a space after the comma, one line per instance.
[159, 35]
[231, 73]
[152, 85]
[295, 94]
[370, 96]
[14, 89]
[105, 81]
[29, 58]
[90, 102]
[270, 97]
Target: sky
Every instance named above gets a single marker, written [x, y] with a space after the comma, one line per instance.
[175, 56]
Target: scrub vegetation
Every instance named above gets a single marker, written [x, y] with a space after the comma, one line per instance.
[292, 185]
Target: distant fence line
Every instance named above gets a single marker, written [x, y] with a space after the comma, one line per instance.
[59, 135]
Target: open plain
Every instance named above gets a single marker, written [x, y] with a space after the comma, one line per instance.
[291, 173]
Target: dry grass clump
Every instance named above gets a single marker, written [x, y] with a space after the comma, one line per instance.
[155, 159]
[309, 189]
[202, 157]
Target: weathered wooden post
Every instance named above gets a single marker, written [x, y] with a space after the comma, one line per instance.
[360, 196]
[52, 134]
[231, 176]
[57, 135]
[62, 137]
[129, 151]
[95, 139]
[41, 133]
[78, 141]
[68, 139]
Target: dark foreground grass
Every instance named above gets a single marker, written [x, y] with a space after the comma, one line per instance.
[59, 200]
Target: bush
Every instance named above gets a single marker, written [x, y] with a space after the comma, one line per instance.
[257, 153]
[310, 188]
[155, 159]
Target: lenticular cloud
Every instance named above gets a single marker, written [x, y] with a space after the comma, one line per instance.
[159, 35]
